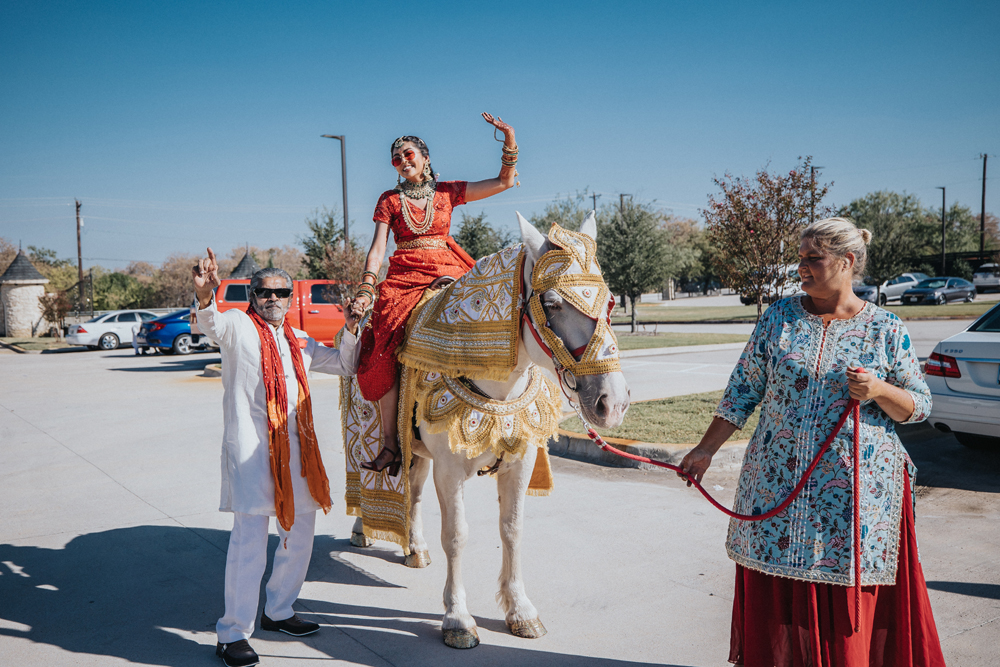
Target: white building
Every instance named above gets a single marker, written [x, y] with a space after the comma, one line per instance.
[20, 311]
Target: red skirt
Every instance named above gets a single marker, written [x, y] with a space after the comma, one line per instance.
[781, 622]
[410, 272]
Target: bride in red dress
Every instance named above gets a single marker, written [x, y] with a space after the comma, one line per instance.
[425, 256]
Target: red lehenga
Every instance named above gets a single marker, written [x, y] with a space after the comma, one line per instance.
[421, 256]
[780, 622]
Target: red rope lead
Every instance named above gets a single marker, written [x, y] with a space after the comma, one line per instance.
[854, 407]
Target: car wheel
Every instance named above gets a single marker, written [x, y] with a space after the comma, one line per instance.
[882, 299]
[108, 341]
[182, 344]
[970, 297]
[941, 300]
[980, 442]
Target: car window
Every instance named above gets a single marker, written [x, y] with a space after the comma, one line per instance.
[990, 322]
[127, 317]
[932, 283]
[236, 293]
[324, 294]
[146, 317]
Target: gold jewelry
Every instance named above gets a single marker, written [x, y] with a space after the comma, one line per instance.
[427, 242]
[369, 273]
[418, 227]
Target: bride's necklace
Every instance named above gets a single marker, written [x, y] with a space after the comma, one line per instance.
[423, 190]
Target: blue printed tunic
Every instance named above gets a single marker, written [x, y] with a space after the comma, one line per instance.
[795, 371]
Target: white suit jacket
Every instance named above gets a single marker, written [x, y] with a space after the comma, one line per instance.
[247, 483]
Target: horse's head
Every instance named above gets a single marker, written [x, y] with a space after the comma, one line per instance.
[569, 331]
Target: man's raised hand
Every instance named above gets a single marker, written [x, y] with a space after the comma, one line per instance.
[206, 278]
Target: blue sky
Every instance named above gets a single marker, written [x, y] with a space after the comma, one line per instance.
[186, 124]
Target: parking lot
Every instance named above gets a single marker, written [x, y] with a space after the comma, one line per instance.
[112, 551]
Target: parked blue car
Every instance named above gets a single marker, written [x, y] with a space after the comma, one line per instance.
[171, 334]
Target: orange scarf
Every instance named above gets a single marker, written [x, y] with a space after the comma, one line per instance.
[277, 422]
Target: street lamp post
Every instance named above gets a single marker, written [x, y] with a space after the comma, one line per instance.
[343, 172]
[944, 269]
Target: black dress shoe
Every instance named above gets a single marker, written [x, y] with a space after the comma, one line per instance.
[293, 626]
[237, 654]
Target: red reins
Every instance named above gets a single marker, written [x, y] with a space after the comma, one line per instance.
[852, 407]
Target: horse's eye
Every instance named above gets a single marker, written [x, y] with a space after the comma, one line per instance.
[551, 305]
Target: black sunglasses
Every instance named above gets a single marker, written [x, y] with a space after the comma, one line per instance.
[266, 292]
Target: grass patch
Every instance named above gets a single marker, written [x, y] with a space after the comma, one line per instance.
[693, 314]
[36, 343]
[677, 420]
[628, 341]
[970, 310]
[667, 314]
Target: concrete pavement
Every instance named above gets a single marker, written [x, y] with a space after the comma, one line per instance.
[112, 551]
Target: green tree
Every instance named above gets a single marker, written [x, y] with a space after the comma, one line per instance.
[632, 250]
[895, 222]
[114, 291]
[754, 225]
[479, 238]
[326, 229]
[568, 213]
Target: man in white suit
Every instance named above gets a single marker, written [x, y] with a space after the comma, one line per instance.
[271, 464]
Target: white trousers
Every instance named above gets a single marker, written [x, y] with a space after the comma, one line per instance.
[246, 561]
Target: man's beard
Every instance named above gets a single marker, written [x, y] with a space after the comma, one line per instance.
[271, 312]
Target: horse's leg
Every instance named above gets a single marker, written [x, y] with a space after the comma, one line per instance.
[512, 484]
[449, 481]
[419, 556]
[358, 537]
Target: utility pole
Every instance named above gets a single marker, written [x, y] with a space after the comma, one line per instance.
[944, 270]
[621, 204]
[982, 215]
[79, 255]
[594, 196]
[812, 195]
[343, 173]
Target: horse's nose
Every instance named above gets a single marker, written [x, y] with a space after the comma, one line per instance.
[603, 407]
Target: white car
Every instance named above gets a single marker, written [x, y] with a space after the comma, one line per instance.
[987, 277]
[963, 374]
[108, 331]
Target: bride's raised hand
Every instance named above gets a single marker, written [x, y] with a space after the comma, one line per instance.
[508, 131]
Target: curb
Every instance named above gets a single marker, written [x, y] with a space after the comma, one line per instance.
[753, 321]
[579, 447]
[212, 371]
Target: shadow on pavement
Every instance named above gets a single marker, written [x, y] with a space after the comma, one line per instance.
[988, 591]
[140, 594]
[172, 365]
[943, 463]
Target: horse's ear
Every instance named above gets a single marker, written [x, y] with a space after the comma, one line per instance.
[532, 238]
[589, 226]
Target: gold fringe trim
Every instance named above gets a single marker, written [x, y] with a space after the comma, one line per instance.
[476, 425]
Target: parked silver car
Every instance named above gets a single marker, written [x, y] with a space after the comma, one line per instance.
[987, 277]
[108, 331]
[892, 290]
[963, 375]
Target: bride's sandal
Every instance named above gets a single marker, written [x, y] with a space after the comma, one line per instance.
[385, 460]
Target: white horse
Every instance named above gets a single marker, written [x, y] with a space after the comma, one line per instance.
[604, 399]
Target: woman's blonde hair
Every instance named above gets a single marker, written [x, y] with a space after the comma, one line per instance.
[839, 236]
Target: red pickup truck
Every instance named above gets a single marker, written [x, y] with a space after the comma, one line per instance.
[315, 306]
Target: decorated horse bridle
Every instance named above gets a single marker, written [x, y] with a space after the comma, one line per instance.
[572, 271]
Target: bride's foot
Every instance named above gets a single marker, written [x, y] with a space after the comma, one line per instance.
[386, 459]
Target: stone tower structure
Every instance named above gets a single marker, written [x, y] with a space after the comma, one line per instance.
[20, 311]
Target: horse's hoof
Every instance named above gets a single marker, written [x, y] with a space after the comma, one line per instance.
[418, 559]
[361, 540]
[461, 638]
[532, 629]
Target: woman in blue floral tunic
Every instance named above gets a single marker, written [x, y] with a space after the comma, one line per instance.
[793, 602]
